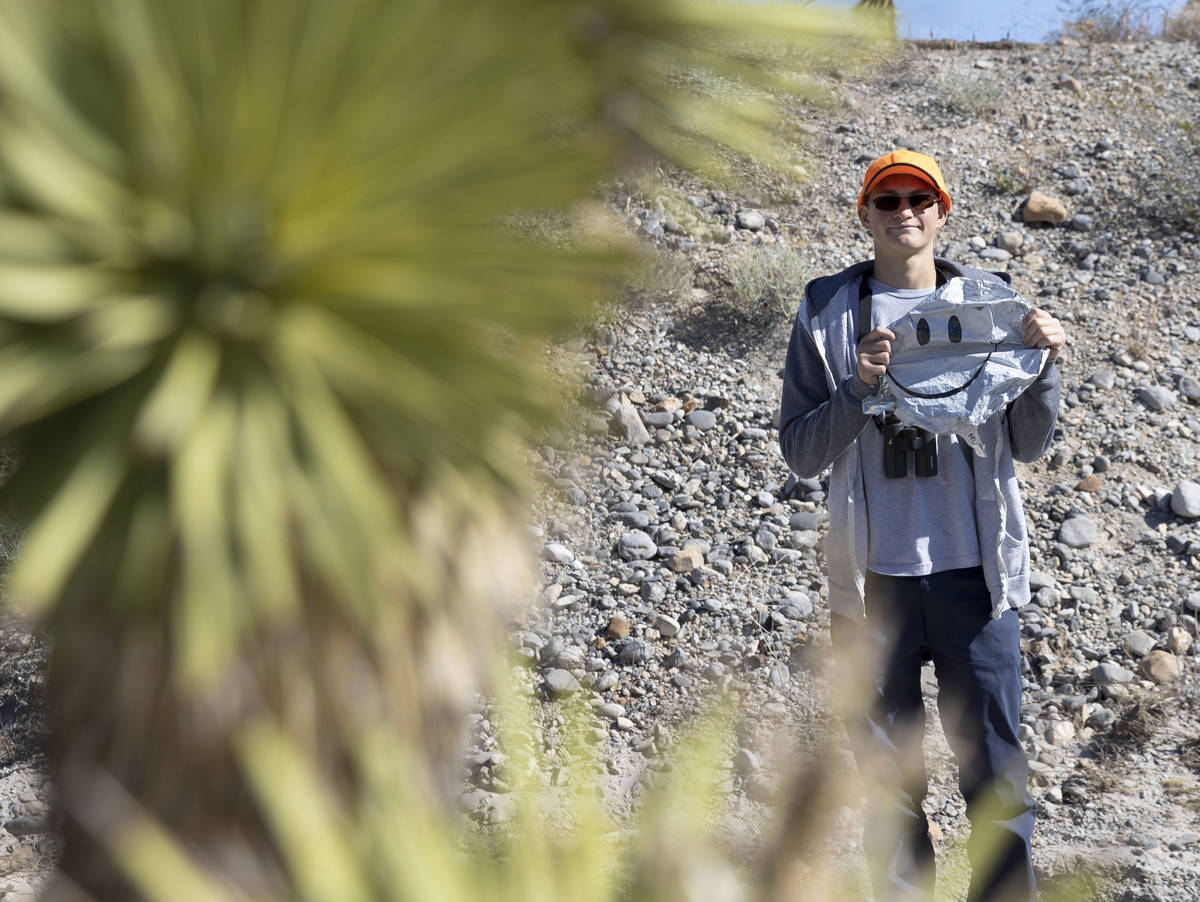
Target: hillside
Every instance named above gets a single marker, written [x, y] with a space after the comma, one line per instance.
[682, 559]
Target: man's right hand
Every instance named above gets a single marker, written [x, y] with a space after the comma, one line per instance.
[874, 354]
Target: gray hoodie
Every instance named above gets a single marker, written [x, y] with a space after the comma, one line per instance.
[821, 417]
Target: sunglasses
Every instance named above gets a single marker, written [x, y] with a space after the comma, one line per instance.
[889, 203]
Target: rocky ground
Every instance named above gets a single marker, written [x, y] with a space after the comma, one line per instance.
[27, 844]
[681, 560]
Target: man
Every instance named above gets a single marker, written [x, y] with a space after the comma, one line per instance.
[920, 566]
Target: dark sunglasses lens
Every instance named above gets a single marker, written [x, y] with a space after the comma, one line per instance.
[889, 203]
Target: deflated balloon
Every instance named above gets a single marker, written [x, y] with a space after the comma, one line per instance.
[959, 357]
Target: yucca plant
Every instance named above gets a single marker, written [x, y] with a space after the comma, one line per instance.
[270, 355]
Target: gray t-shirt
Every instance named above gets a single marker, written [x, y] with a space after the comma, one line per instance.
[918, 525]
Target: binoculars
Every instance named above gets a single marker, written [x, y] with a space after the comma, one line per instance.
[899, 441]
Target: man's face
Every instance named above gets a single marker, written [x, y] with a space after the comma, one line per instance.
[902, 232]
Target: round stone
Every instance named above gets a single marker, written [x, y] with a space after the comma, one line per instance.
[557, 553]
[1108, 674]
[1185, 500]
[1157, 397]
[1078, 532]
[559, 682]
[750, 219]
[636, 546]
[1041, 207]
[806, 520]
[635, 651]
[1139, 644]
[1160, 667]
[666, 625]
[704, 420]
[1060, 732]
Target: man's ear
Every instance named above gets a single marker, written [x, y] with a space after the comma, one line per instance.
[863, 214]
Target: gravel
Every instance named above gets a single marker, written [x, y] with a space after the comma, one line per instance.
[711, 551]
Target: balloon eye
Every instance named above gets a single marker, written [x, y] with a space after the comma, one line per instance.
[954, 330]
[922, 331]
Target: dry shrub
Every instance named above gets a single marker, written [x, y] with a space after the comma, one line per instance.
[1185, 25]
[1106, 21]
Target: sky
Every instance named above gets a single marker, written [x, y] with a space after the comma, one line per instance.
[991, 20]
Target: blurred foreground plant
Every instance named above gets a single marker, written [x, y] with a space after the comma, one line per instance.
[269, 358]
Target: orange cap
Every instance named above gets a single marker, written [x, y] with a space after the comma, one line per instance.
[905, 162]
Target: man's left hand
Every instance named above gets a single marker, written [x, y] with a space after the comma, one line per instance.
[1043, 331]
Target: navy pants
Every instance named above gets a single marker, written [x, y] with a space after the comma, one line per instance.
[945, 616]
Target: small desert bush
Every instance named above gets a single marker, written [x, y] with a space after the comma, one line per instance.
[660, 274]
[1106, 21]
[766, 283]
[971, 94]
[1185, 25]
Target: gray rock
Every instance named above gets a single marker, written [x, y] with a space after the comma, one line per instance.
[750, 219]
[765, 539]
[557, 552]
[1189, 387]
[635, 651]
[572, 657]
[1084, 595]
[1039, 579]
[1010, 240]
[1060, 732]
[627, 514]
[1048, 597]
[26, 826]
[559, 682]
[745, 762]
[1185, 500]
[1109, 674]
[611, 710]
[796, 607]
[806, 520]
[1101, 719]
[1157, 397]
[1138, 643]
[780, 676]
[636, 546]
[632, 426]
[804, 539]
[1078, 532]
[666, 625]
[704, 420]
[1103, 379]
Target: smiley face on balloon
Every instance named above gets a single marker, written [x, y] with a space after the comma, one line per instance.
[958, 358]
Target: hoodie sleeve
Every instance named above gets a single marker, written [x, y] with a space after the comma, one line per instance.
[1034, 414]
[816, 426]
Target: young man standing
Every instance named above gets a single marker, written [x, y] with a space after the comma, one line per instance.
[920, 566]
